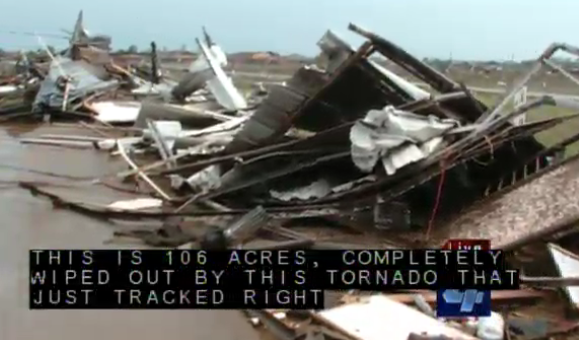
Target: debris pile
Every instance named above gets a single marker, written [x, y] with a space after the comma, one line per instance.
[84, 82]
[346, 156]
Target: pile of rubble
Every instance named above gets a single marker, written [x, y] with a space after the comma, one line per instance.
[346, 156]
[83, 82]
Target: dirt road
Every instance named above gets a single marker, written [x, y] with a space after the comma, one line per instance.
[31, 222]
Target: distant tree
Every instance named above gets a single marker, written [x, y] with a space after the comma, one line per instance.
[133, 49]
[183, 48]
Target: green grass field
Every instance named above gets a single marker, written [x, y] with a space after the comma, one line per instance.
[553, 135]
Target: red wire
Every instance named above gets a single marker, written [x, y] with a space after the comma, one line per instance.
[437, 201]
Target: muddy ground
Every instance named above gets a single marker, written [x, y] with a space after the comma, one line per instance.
[31, 222]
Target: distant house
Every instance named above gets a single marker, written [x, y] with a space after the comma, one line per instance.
[254, 58]
[261, 56]
[266, 57]
[177, 56]
[240, 57]
[127, 59]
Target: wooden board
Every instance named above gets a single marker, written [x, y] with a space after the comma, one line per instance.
[379, 318]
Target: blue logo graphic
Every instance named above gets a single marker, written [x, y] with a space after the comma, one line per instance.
[463, 303]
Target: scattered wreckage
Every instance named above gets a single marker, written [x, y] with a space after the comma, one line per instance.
[346, 156]
[84, 82]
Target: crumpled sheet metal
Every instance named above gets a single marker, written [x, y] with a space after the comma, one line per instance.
[316, 189]
[406, 154]
[535, 205]
[397, 137]
[201, 63]
[86, 80]
[220, 84]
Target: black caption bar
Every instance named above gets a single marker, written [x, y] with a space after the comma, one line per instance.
[235, 279]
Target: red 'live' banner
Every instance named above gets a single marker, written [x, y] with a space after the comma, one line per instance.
[467, 245]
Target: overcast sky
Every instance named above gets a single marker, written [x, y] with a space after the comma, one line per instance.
[465, 29]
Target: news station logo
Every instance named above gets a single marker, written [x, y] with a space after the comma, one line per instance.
[464, 303]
